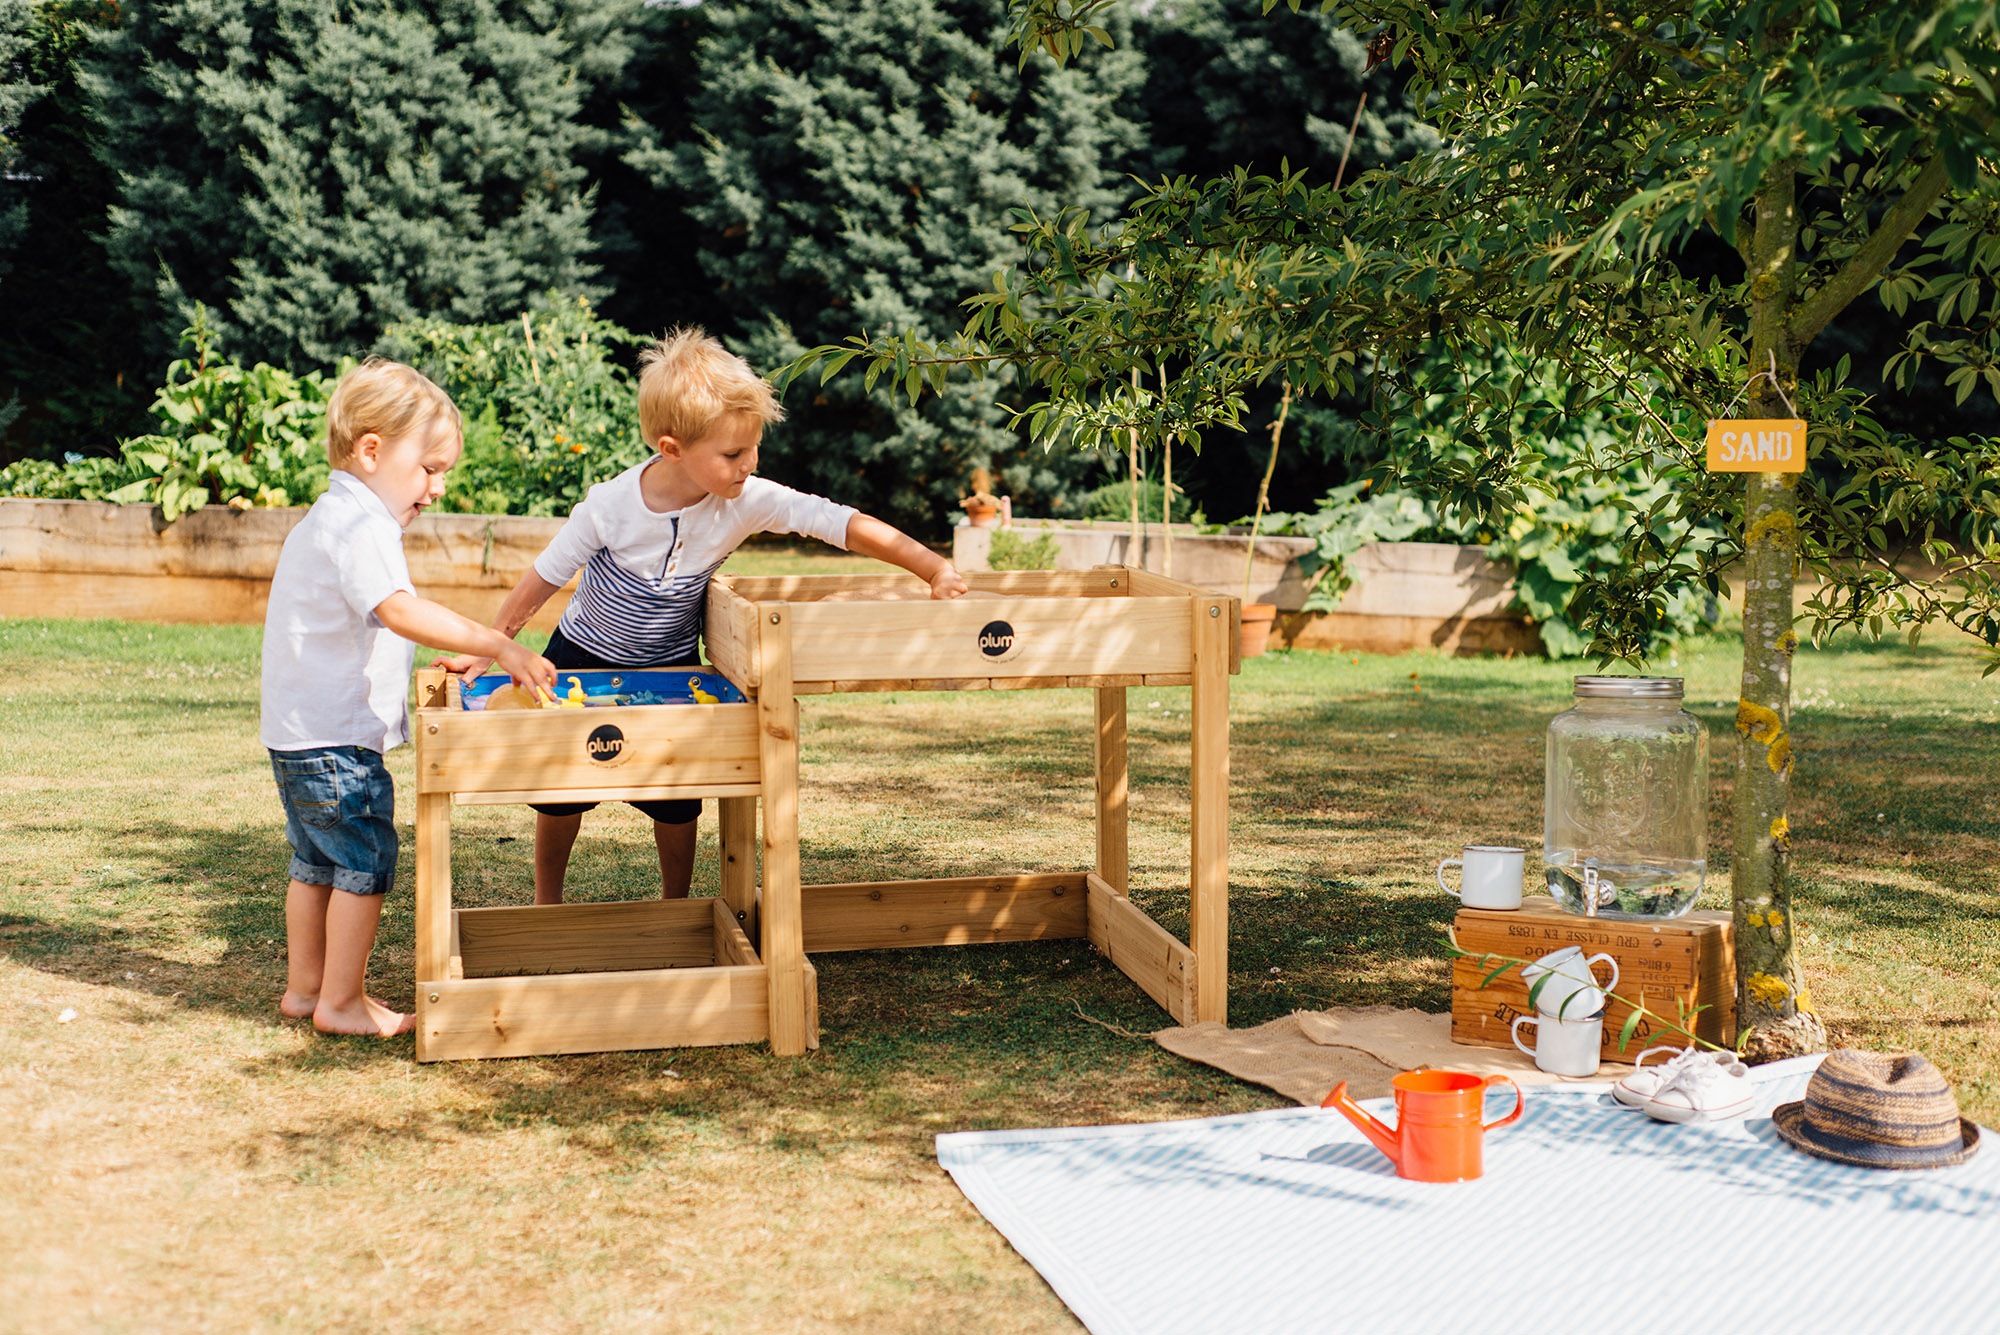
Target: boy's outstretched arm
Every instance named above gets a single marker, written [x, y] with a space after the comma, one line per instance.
[871, 537]
[516, 610]
[427, 622]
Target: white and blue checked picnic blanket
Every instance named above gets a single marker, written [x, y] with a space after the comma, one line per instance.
[1591, 1218]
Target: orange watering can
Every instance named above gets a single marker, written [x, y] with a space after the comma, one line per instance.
[1438, 1130]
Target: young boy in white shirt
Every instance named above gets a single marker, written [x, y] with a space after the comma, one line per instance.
[647, 542]
[337, 653]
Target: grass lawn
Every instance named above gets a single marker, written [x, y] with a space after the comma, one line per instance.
[178, 1156]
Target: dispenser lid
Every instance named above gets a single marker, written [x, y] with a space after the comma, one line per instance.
[1628, 688]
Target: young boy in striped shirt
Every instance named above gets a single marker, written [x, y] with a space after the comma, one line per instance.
[648, 541]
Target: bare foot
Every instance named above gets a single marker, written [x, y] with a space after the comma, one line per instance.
[297, 1006]
[369, 1018]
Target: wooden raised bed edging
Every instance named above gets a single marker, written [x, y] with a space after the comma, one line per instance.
[93, 559]
[1406, 595]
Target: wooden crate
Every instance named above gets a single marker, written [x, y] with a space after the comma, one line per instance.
[1689, 959]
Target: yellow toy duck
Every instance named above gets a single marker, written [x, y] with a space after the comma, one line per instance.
[701, 697]
[575, 698]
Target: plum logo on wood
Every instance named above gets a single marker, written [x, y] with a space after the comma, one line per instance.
[606, 745]
[998, 641]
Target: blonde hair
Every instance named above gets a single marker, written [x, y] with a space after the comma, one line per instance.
[388, 398]
[688, 381]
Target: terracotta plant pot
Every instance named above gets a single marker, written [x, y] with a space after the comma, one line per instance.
[980, 514]
[1258, 619]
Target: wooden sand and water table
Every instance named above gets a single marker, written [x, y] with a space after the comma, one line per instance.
[595, 977]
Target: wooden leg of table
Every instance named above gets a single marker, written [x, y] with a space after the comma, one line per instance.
[738, 816]
[1113, 790]
[781, 913]
[1208, 915]
[433, 887]
[433, 907]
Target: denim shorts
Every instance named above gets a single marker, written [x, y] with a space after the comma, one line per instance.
[340, 817]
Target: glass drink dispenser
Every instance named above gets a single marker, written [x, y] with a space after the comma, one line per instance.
[1625, 817]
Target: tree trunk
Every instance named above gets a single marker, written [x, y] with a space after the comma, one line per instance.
[1772, 1004]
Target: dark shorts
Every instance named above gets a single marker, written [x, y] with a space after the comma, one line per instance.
[566, 655]
[340, 817]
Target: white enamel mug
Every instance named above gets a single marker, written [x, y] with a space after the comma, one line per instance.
[1563, 1047]
[1489, 876]
[1572, 989]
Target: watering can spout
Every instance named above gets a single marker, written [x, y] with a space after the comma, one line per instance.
[1382, 1137]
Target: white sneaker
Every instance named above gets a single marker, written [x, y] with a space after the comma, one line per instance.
[1702, 1087]
[1645, 1081]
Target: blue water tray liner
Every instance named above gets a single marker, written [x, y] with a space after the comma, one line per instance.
[606, 688]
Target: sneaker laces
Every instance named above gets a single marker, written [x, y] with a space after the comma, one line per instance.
[1697, 1074]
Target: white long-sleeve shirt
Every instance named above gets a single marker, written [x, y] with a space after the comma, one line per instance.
[645, 572]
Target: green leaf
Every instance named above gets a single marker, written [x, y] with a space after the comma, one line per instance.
[1630, 1027]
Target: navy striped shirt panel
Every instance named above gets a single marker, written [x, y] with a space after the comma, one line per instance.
[627, 619]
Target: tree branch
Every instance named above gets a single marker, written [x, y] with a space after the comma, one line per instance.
[1865, 265]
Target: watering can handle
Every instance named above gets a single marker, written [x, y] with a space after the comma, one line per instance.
[1520, 1101]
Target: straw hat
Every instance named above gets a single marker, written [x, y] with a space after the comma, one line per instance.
[1878, 1110]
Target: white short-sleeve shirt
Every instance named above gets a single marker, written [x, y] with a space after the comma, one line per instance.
[333, 674]
[645, 573]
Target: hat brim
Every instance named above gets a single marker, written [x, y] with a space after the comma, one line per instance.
[1789, 1121]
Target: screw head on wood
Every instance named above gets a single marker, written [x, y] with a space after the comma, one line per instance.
[774, 618]
[1215, 611]
[434, 996]
[434, 727]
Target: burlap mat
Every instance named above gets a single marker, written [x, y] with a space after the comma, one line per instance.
[1307, 1053]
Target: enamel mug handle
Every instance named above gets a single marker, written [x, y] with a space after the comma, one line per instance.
[1450, 862]
[1520, 1020]
[1608, 960]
